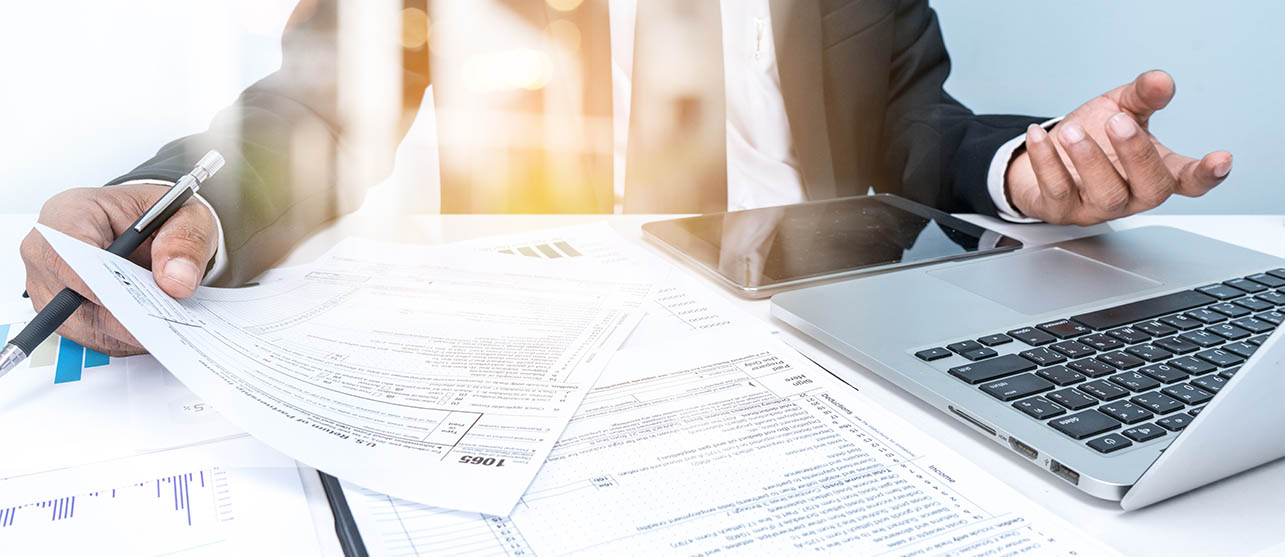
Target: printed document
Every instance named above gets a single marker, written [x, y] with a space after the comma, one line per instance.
[730, 442]
[232, 497]
[437, 375]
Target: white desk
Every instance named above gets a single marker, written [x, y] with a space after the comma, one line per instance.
[1238, 516]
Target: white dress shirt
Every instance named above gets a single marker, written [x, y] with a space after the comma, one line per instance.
[762, 167]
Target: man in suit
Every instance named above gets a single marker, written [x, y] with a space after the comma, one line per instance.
[808, 99]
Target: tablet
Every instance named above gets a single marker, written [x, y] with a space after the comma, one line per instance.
[759, 252]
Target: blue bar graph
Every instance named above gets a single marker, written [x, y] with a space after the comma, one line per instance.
[175, 492]
[95, 359]
[71, 361]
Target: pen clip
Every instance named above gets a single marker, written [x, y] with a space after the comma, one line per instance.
[204, 169]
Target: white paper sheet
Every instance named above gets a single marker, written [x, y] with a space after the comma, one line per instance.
[66, 407]
[232, 497]
[731, 442]
[436, 375]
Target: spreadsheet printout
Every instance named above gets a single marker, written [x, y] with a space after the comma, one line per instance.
[730, 442]
[436, 374]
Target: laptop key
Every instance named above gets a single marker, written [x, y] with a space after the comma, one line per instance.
[1149, 353]
[1120, 360]
[1258, 340]
[1204, 339]
[1043, 356]
[1267, 280]
[1016, 387]
[993, 368]
[1129, 335]
[1229, 372]
[1195, 411]
[1109, 443]
[1039, 408]
[1175, 422]
[1220, 358]
[1230, 310]
[1275, 317]
[1134, 381]
[1192, 365]
[995, 339]
[1180, 322]
[1155, 328]
[1091, 367]
[1064, 328]
[1177, 345]
[964, 346]
[1242, 349]
[1159, 403]
[1085, 424]
[1278, 273]
[1272, 297]
[1187, 393]
[1211, 383]
[1253, 304]
[1032, 336]
[1245, 285]
[980, 354]
[1104, 390]
[1221, 291]
[1073, 349]
[1073, 399]
[1164, 373]
[1100, 341]
[1142, 310]
[1060, 375]
[1126, 412]
[1143, 433]
[1252, 325]
[1206, 316]
[1229, 331]
[932, 354]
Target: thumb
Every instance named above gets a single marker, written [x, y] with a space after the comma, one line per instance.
[1149, 92]
[182, 249]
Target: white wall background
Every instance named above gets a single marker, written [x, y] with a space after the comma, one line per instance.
[90, 88]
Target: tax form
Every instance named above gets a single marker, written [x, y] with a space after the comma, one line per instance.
[437, 375]
[730, 442]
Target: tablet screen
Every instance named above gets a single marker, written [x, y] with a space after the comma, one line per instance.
[774, 245]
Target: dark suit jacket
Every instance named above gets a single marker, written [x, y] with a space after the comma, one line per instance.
[862, 82]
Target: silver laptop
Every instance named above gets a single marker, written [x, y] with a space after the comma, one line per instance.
[1135, 365]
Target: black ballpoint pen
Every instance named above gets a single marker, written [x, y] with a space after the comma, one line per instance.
[65, 303]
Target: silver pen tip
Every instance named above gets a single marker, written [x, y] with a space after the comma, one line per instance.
[10, 357]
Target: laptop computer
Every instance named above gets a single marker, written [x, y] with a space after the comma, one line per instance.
[1135, 365]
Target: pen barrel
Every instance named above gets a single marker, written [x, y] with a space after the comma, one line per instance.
[48, 320]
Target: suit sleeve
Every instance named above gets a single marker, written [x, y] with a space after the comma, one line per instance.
[938, 152]
[286, 145]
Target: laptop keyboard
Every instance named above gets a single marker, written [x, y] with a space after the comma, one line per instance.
[1129, 374]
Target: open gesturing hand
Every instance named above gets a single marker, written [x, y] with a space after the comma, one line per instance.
[1101, 162]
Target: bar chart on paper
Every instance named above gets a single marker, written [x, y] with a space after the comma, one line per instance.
[214, 498]
[68, 358]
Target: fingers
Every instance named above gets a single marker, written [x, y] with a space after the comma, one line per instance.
[182, 249]
[46, 268]
[1102, 189]
[1059, 196]
[1149, 92]
[91, 325]
[1150, 182]
[1197, 177]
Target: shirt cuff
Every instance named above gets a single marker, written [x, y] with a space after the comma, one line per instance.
[221, 252]
[999, 167]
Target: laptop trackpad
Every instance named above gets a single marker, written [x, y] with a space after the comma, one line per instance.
[1044, 280]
